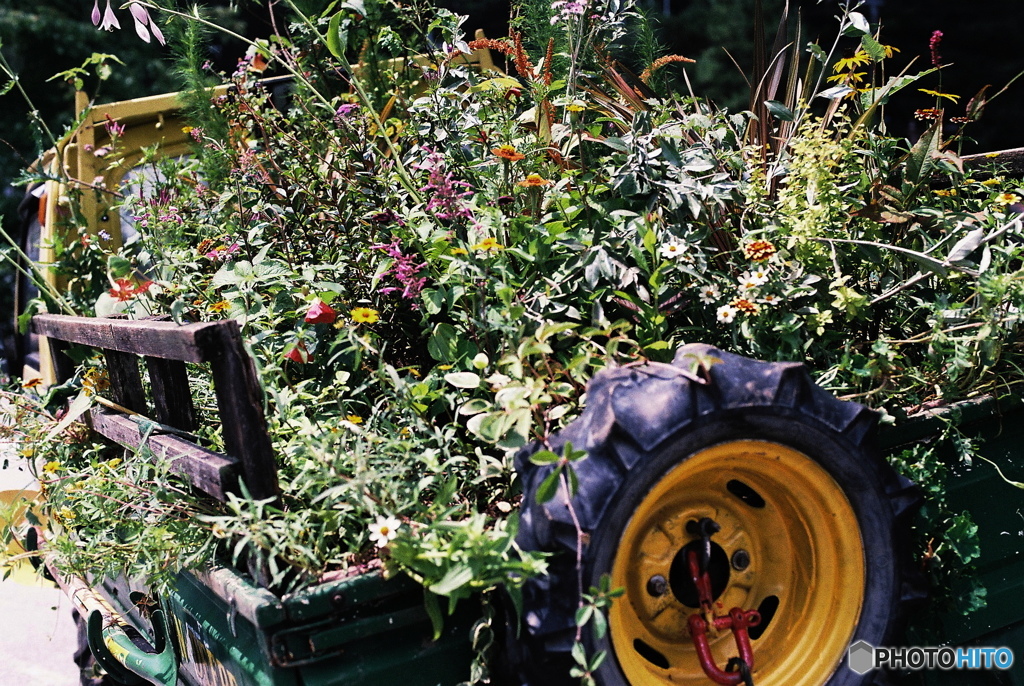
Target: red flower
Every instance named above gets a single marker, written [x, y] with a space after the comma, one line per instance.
[320, 313]
[299, 354]
[124, 289]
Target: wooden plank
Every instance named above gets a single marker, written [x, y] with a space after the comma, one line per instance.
[207, 470]
[126, 381]
[158, 339]
[63, 366]
[171, 397]
[240, 402]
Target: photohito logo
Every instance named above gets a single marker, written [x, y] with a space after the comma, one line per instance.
[863, 657]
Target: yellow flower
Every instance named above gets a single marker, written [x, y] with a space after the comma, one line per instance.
[186, 129]
[488, 244]
[66, 513]
[937, 94]
[51, 467]
[364, 315]
[459, 251]
[991, 182]
[945, 192]
[889, 50]
[354, 418]
[534, 180]
[850, 63]
[220, 306]
[576, 106]
[849, 77]
[1007, 198]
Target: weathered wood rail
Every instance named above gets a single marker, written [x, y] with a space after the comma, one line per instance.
[165, 347]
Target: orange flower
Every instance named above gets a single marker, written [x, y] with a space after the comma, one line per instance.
[220, 306]
[745, 305]
[758, 251]
[507, 152]
[533, 181]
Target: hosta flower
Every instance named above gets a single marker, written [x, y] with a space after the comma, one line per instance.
[709, 294]
[364, 315]
[673, 249]
[726, 314]
[320, 313]
[384, 530]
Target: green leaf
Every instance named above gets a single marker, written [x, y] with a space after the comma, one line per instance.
[463, 379]
[921, 158]
[118, 267]
[858, 24]
[334, 38]
[549, 487]
[456, 577]
[543, 457]
[872, 47]
[442, 344]
[78, 407]
[779, 111]
[434, 612]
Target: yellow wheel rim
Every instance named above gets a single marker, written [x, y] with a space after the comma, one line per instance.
[803, 544]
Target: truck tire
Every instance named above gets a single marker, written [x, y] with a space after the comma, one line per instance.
[813, 525]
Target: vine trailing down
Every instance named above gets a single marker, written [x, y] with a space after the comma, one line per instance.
[429, 262]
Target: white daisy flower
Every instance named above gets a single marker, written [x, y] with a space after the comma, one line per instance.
[384, 530]
[709, 294]
[673, 249]
[770, 299]
[726, 314]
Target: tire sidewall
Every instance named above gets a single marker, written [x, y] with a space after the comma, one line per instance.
[856, 470]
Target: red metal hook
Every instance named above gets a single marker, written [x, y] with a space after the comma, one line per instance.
[738, 621]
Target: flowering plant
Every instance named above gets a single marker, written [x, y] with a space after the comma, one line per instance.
[429, 263]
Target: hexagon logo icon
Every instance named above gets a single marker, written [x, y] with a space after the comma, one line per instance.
[861, 657]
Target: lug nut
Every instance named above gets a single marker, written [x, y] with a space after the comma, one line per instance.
[740, 560]
[657, 585]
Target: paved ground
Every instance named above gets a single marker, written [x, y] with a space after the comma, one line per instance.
[37, 636]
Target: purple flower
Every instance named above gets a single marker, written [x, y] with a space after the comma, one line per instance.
[144, 24]
[447, 194]
[113, 128]
[404, 269]
[933, 45]
[345, 112]
[95, 12]
[109, 19]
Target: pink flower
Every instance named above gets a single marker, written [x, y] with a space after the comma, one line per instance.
[320, 313]
[110, 21]
[144, 24]
[95, 12]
